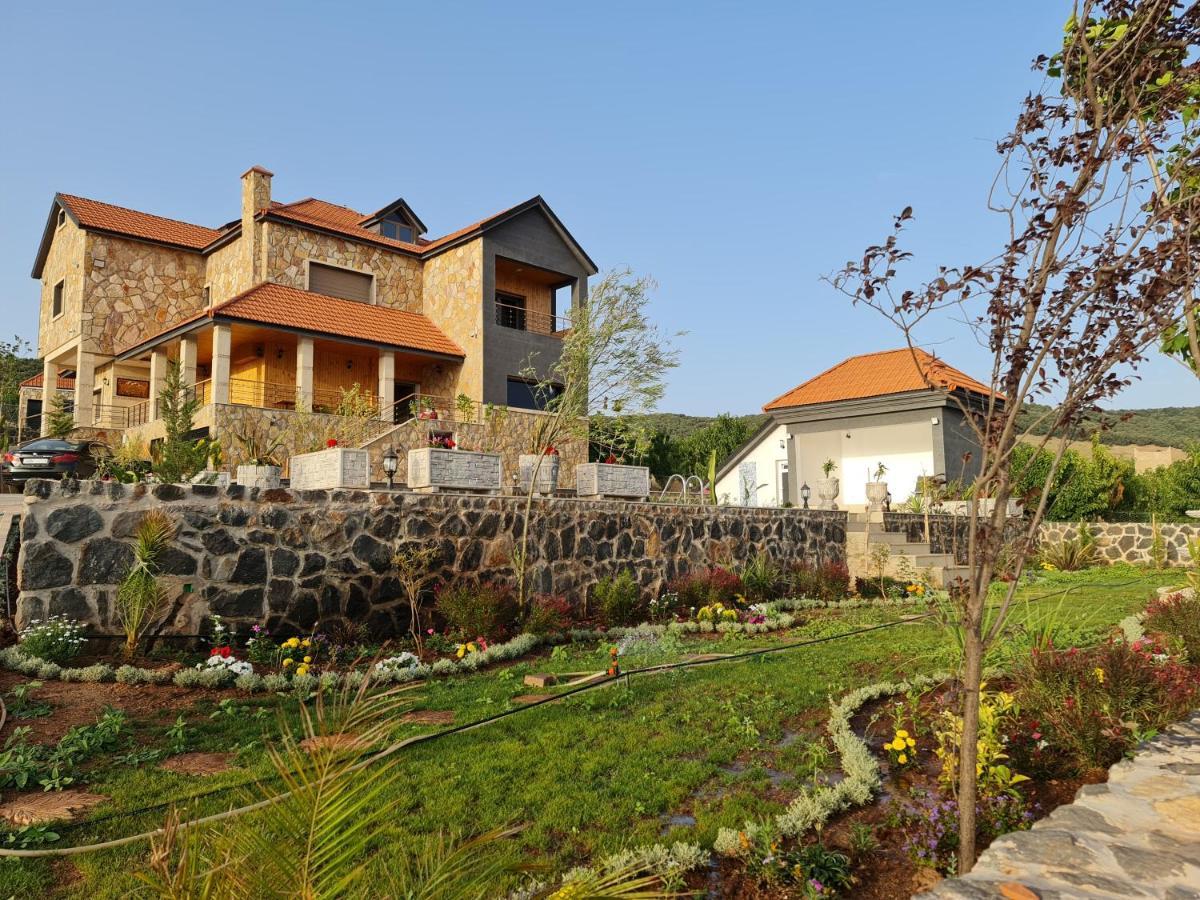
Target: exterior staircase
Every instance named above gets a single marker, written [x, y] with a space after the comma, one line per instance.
[865, 532]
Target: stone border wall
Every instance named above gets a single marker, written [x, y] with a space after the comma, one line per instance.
[1136, 836]
[1129, 542]
[293, 558]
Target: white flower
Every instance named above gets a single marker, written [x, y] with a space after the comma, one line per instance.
[404, 660]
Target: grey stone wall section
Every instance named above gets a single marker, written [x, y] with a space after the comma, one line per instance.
[1136, 836]
[293, 558]
[1129, 541]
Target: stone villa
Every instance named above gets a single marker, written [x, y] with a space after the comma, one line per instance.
[289, 305]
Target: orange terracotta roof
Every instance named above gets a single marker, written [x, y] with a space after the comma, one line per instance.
[330, 216]
[106, 217]
[877, 375]
[289, 307]
[64, 383]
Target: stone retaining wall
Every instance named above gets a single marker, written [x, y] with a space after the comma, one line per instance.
[1129, 542]
[1136, 836]
[293, 558]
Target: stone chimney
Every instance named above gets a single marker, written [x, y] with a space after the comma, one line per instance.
[256, 195]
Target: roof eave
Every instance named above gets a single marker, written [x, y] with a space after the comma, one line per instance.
[56, 204]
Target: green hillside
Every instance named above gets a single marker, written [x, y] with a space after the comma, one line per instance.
[1167, 426]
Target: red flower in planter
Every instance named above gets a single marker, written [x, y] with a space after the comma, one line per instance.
[332, 442]
[550, 451]
[610, 460]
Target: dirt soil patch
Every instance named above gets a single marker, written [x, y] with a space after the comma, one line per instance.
[46, 806]
[80, 703]
[198, 763]
[429, 717]
[339, 742]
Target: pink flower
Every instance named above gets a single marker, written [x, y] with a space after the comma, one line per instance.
[429, 631]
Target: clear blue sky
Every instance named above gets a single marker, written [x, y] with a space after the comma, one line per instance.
[735, 152]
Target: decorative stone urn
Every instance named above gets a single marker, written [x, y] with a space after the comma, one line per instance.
[547, 472]
[877, 492]
[335, 467]
[264, 477]
[612, 480]
[827, 492]
[433, 469]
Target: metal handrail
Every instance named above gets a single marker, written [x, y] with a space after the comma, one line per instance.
[686, 482]
[519, 318]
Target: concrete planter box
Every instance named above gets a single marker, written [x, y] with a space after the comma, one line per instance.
[432, 469]
[265, 477]
[336, 467]
[547, 472]
[220, 479]
[605, 480]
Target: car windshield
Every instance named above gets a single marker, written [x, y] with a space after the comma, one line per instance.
[49, 444]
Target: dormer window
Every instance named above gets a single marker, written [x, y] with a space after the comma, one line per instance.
[62, 217]
[397, 230]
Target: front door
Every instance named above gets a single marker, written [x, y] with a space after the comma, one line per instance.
[405, 395]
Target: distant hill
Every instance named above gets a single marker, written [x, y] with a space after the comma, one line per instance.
[1167, 426]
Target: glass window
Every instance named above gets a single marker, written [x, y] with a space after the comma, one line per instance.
[396, 230]
[58, 300]
[525, 395]
[510, 311]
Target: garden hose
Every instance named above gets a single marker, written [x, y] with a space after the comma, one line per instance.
[457, 729]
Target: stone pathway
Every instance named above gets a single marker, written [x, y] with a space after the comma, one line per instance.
[1136, 836]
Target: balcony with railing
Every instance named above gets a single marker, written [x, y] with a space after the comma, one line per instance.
[518, 318]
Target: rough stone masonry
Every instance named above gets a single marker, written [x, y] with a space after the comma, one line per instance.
[296, 558]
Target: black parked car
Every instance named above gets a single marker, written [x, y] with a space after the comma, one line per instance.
[51, 458]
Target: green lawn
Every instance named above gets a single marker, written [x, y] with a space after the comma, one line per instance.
[625, 765]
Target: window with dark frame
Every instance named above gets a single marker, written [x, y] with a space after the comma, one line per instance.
[524, 394]
[396, 230]
[56, 308]
[510, 311]
[62, 217]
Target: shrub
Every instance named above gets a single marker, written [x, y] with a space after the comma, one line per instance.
[704, 587]
[762, 578]
[930, 826]
[1087, 708]
[881, 588]
[472, 608]
[141, 600]
[828, 581]
[618, 601]
[57, 640]
[1070, 554]
[548, 614]
[1175, 616]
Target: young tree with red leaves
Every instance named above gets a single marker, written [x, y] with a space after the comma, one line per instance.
[1097, 188]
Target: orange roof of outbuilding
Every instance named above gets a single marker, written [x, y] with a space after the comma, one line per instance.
[878, 375]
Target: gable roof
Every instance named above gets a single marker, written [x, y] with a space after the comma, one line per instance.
[93, 215]
[320, 314]
[878, 375]
[398, 205]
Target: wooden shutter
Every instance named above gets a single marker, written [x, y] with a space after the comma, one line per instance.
[339, 282]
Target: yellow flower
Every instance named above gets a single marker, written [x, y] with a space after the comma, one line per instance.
[1099, 673]
[306, 643]
[288, 662]
[911, 742]
[303, 670]
[308, 659]
[901, 733]
[293, 642]
[902, 759]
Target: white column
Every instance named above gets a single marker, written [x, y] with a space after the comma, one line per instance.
[187, 359]
[158, 372]
[49, 389]
[85, 383]
[387, 383]
[222, 340]
[304, 374]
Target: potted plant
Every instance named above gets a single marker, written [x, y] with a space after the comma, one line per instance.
[829, 487]
[545, 464]
[258, 449]
[877, 489]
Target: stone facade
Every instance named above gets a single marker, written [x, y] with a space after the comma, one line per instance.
[64, 263]
[397, 276]
[1129, 542]
[294, 558]
[453, 298]
[134, 290]
[225, 275]
[436, 468]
